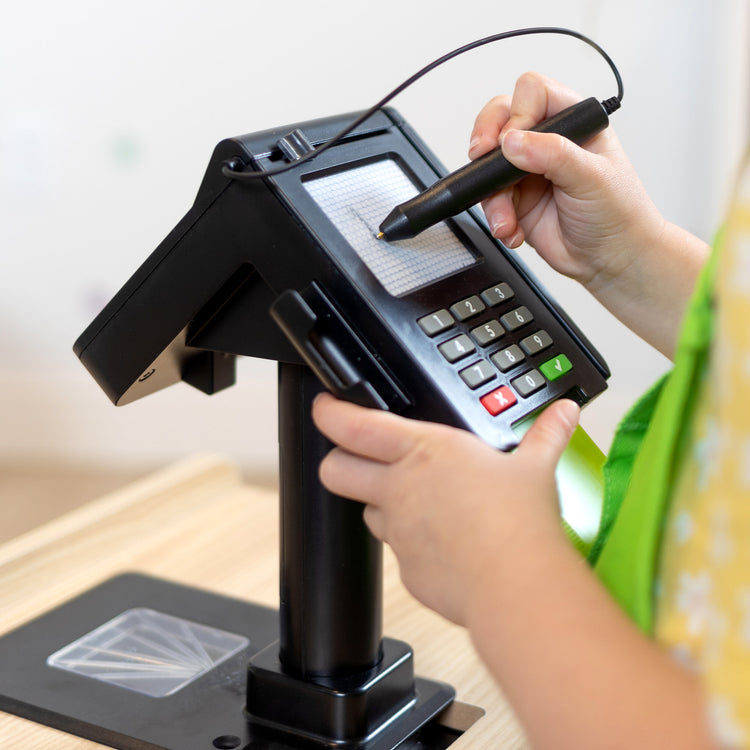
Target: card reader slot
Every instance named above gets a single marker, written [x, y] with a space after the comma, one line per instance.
[334, 351]
[332, 359]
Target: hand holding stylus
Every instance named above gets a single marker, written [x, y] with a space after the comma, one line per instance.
[489, 173]
[586, 213]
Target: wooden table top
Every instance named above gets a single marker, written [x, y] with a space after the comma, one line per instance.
[186, 524]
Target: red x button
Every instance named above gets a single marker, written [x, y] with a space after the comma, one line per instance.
[498, 400]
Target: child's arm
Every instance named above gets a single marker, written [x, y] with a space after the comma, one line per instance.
[478, 538]
[587, 213]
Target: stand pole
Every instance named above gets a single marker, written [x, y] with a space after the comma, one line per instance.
[331, 565]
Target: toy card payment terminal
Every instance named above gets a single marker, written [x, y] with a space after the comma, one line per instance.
[447, 326]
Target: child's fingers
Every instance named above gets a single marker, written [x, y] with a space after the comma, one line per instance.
[550, 434]
[536, 98]
[351, 476]
[488, 125]
[502, 217]
[369, 433]
[560, 160]
[376, 521]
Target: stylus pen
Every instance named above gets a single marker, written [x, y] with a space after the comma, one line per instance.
[488, 174]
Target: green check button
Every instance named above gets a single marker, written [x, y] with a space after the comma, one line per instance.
[556, 367]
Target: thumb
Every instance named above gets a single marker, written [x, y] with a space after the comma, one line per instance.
[560, 160]
[550, 434]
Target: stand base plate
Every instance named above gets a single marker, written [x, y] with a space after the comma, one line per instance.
[207, 713]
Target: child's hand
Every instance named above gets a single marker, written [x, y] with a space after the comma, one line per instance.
[455, 511]
[587, 214]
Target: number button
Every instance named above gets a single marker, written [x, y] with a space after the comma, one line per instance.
[436, 322]
[488, 333]
[498, 400]
[528, 383]
[497, 294]
[478, 374]
[457, 348]
[468, 308]
[536, 342]
[517, 318]
[507, 358]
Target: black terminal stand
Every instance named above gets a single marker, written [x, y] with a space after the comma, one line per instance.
[331, 677]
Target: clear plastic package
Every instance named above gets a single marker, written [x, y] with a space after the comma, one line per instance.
[148, 651]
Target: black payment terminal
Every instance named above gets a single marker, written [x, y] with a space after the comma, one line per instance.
[448, 326]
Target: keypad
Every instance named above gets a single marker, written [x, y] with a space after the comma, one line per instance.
[490, 338]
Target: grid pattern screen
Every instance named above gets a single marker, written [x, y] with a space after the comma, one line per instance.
[357, 200]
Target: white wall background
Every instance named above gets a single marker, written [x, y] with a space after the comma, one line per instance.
[109, 112]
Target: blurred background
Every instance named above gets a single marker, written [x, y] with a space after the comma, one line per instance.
[109, 113]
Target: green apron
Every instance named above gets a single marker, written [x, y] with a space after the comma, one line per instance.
[642, 466]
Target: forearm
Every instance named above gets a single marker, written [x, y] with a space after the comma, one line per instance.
[650, 289]
[577, 672]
